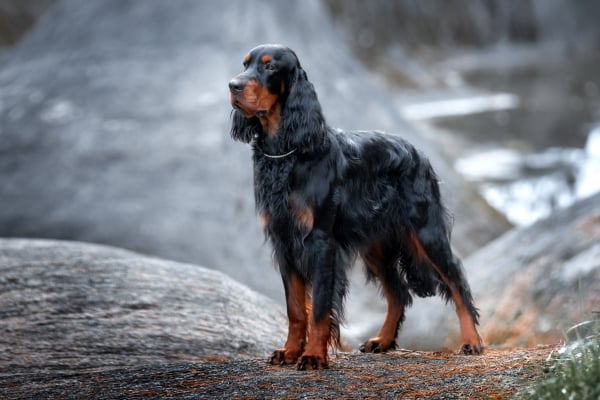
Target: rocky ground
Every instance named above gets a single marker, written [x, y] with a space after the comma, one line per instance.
[398, 374]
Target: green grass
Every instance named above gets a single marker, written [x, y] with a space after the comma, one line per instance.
[574, 375]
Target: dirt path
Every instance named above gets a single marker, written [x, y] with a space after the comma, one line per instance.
[398, 374]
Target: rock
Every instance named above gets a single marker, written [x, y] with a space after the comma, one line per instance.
[128, 143]
[533, 283]
[69, 306]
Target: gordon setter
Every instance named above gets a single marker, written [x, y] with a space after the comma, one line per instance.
[324, 197]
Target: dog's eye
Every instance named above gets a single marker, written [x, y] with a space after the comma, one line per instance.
[269, 67]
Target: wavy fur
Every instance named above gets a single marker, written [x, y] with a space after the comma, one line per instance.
[326, 197]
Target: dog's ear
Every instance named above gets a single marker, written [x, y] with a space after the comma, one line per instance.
[302, 122]
[243, 129]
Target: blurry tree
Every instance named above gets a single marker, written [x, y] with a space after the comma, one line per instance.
[16, 16]
[436, 23]
[374, 25]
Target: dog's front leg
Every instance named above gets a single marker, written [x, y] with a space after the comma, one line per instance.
[328, 289]
[315, 353]
[295, 295]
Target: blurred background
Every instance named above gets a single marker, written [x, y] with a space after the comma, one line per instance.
[516, 82]
[114, 117]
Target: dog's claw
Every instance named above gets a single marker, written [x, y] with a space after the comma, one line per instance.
[374, 346]
[283, 357]
[471, 349]
[311, 362]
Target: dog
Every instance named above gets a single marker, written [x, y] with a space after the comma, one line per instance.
[325, 197]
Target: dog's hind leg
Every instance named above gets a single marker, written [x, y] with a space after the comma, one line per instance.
[382, 263]
[431, 245]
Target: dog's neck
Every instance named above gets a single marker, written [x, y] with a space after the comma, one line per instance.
[270, 146]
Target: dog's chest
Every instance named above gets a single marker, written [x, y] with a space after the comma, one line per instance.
[272, 186]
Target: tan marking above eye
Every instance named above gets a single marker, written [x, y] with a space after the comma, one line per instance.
[266, 58]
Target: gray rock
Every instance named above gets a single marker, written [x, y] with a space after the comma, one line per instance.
[533, 283]
[71, 306]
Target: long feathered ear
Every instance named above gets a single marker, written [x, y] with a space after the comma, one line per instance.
[302, 122]
[243, 129]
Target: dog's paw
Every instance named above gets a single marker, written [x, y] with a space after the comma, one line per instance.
[471, 349]
[307, 362]
[377, 345]
[283, 357]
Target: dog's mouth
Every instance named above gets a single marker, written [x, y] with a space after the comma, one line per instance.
[247, 113]
[238, 105]
[244, 109]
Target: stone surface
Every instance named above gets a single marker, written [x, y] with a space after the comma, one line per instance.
[69, 306]
[533, 283]
[401, 374]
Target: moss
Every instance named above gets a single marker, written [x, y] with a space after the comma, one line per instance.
[574, 376]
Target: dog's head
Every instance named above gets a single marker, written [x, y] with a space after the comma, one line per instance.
[273, 96]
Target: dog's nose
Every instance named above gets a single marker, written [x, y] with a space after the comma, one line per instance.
[236, 85]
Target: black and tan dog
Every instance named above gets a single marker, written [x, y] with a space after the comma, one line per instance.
[324, 197]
